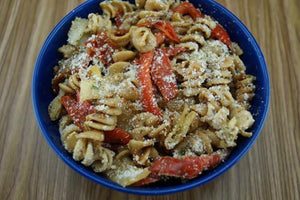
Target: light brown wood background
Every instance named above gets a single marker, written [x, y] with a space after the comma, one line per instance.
[29, 169]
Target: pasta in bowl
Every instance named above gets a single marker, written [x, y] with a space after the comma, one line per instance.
[150, 91]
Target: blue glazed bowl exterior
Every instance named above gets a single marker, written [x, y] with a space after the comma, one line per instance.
[42, 94]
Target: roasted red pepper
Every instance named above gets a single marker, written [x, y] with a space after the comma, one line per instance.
[147, 95]
[162, 75]
[77, 110]
[160, 37]
[187, 167]
[188, 8]
[173, 51]
[220, 33]
[117, 136]
[101, 46]
[164, 27]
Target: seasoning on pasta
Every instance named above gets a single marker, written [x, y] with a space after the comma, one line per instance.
[150, 91]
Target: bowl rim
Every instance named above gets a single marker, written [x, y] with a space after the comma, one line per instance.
[151, 191]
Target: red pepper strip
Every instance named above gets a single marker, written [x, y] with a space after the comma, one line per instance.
[160, 37]
[164, 27]
[101, 46]
[188, 8]
[146, 181]
[118, 18]
[187, 167]
[117, 136]
[173, 51]
[162, 75]
[147, 95]
[220, 33]
[77, 110]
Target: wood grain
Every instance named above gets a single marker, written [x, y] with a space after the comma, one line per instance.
[29, 169]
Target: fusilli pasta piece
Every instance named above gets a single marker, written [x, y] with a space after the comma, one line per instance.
[181, 128]
[105, 119]
[143, 39]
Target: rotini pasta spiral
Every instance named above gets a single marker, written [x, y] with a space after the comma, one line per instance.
[85, 146]
[181, 128]
[244, 91]
[97, 23]
[142, 151]
[105, 162]
[157, 5]
[148, 125]
[55, 107]
[143, 39]
[105, 119]
[110, 8]
[71, 84]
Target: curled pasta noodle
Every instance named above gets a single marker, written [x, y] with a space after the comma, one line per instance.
[97, 23]
[143, 39]
[194, 75]
[55, 107]
[147, 124]
[123, 6]
[193, 38]
[105, 119]
[194, 144]
[77, 30]
[244, 119]
[67, 50]
[105, 162]
[157, 5]
[118, 67]
[221, 76]
[151, 14]
[140, 3]
[84, 145]
[122, 40]
[181, 129]
[141, 150]
[125, 172]
[129, 19]
[110, 8]
[124, 55]
[245, 88]
[71, 84]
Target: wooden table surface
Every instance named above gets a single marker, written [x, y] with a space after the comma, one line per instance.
[29, 169]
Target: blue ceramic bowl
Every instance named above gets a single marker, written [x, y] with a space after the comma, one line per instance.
[42, 94]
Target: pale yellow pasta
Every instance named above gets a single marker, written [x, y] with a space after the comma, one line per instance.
[77, 30]
[140, 150]
[105, 119]
[181, 129]
[97, 23]
[70, 85]
[157, 5]
[67, 50]
[55, 107]
[105, 162]
[121, 41]
[244, 89]
[124, 55]
[143, 39]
